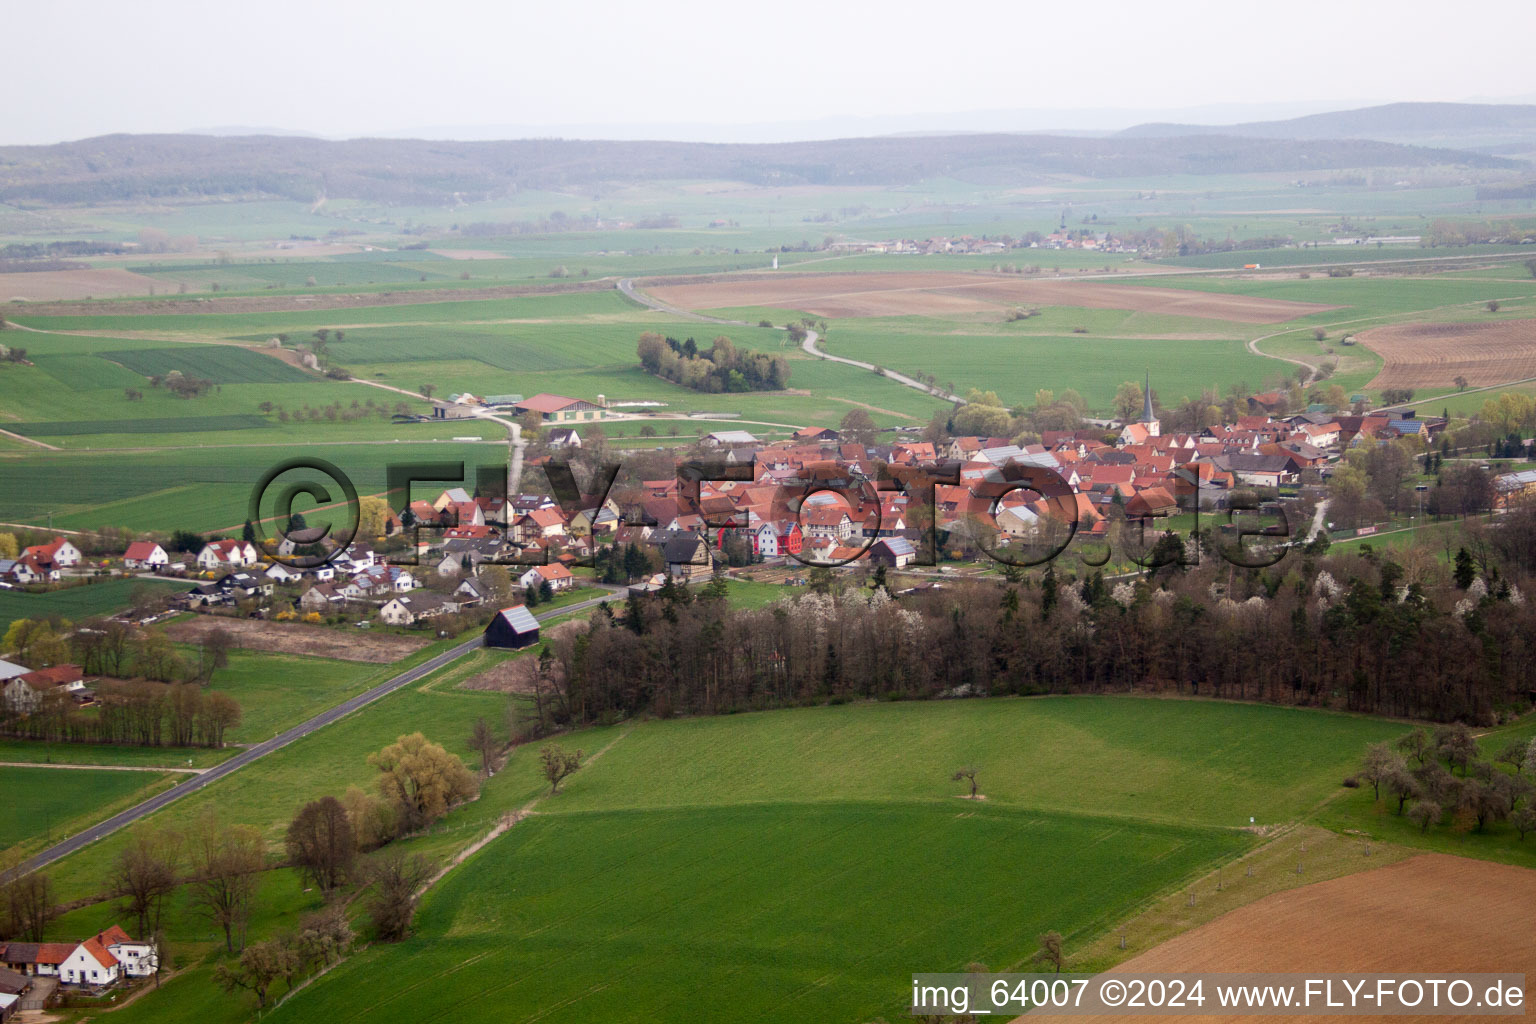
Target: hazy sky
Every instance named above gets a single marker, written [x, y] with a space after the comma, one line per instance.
[343, 67]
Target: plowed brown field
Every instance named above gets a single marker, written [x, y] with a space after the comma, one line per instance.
[1434, 355]
[1431, 913]
[297, 638]
[54, 285]
[949, 293]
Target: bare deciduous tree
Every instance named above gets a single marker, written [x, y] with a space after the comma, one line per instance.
[395, 878]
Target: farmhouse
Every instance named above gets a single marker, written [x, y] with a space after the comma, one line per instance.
[103, 959]
[145, 554]
[23, 693]
[513, 628]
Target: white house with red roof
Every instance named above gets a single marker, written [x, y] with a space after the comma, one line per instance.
[556, 575]
[58, 553]
[227, 552]
[145, 554]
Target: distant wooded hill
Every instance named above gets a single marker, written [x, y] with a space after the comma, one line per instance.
[124, 167]
[1488, 127]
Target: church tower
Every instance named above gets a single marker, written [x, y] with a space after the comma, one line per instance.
[1148, 417]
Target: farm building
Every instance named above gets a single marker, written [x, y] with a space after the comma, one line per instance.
[513, 628]
[558, 408]
[729, 439]
[894, 552]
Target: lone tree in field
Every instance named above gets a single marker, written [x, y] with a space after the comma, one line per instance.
[395, 878]
[226, 861]
[1493, 305]
[966, 774]
[145, 873]
[322, 842]
[1460, 382]
[421, 779]
[555, 764]
[1050, 952]
[1318, 334]
[482, 740]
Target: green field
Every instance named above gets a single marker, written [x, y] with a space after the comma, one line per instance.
[223, 364]
[805, 859]
[44, 803]
[764, 912]
[78, 602]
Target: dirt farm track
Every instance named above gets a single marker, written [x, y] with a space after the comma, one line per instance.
[1431, 913]
[1434, 355]
[949, 294]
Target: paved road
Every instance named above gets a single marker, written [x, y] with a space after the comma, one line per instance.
[278, 742]
[627, 287]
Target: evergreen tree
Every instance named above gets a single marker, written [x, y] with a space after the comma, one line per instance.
[1465, 572]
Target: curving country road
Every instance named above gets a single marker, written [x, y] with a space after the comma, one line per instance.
[627, 287]
[260, 750]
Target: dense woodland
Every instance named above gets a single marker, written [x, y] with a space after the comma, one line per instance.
[1412, 638]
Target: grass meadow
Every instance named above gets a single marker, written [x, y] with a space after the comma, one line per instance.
[78, 602]
[802, 860]
[43, 803]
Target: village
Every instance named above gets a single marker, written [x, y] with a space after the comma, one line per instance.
[814, 499]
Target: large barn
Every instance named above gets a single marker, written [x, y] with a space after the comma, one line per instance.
[513, 627]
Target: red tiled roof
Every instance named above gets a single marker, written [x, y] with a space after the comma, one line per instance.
[99, 952]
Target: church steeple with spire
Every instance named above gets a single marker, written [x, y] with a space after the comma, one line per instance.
[1148, 417]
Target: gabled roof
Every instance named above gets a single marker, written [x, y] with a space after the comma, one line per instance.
[519, 618]
[546, 402]
[141, 549]
[96, 951]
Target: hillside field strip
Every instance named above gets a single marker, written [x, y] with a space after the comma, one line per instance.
[948, 294]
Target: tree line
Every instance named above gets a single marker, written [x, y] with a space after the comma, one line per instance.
[1356, 631]
[720, 368]
[165, 703]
